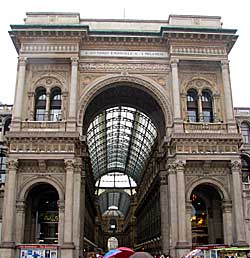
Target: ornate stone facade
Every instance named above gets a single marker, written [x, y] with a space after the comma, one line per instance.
[179, 74]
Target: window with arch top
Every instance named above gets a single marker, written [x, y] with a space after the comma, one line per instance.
[40, 104]
[245, 131]
[207, 106]
[192, 106]
[55, 104]
[245, 169]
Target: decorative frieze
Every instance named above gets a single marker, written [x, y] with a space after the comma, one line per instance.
[49, 48]
[205, 128]
[50, 67]
[119, 67]
[41, 147]
[202, 147]
[43, 125]
[195, 50]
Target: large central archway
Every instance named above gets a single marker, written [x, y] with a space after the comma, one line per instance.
[134, 91]
[123, 122]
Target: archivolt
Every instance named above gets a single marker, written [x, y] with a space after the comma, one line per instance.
[149, 85]
[47, 75]
[212, 182]
[29, 184]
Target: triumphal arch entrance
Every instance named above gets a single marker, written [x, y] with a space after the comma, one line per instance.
[122, 134]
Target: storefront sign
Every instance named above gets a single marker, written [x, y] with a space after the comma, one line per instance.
[38, 251]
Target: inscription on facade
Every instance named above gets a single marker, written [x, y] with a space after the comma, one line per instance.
[116, 53]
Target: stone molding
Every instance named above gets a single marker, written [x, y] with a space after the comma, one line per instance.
[196, 50]
[119, 67]
[50, 67]
[49, 48]
[41, 147]
[221, 185]
[154, 89]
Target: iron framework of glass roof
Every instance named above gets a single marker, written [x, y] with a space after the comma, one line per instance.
[120, 139]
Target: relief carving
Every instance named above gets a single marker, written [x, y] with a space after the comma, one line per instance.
[119, 67]
[12, 164]
[69, 164]
[163, 101]
[236, 165]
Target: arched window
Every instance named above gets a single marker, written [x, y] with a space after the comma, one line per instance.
[40, 104]
[245, 169]
[7, 125]
[245, 131]
[192, 106]
[55, 104]
[207, 107]
[2, 168]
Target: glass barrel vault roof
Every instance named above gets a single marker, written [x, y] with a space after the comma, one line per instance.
[120, 139]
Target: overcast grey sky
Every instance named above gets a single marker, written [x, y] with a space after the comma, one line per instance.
[235, 15]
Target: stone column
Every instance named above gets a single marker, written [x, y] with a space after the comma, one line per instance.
[200, 107]
[176, 95]
[17, 112]
[227, 91]
[215, 101]
[77, 207]
[182, 244]
[164, 212]
[9, 208]
[238, 222]
[227, 222]
[73, 94]
[188, 222]
[173, 218]
[68, 245]
[20, 220]
[47, 109]
[61, 209]
[31, 106]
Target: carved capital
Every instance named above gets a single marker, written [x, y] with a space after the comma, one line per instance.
[171, 168]
[12, 164]
[227, 207]
[74, 60]
[174, 62]
[224, 64]
[61, 205]
[22, 60]
[20, 206]
[235, 165]
[69, 164]
[180, 165]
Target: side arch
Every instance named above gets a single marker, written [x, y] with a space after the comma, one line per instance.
[212, 182]
[146, 84]
[49, 75]
[187, 84]
[30, 183]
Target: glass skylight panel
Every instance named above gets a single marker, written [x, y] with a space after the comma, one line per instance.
[116, 134]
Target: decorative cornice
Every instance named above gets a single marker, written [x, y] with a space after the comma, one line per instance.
[196, 50]
[49, 48]
[119, 67]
